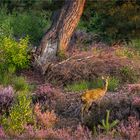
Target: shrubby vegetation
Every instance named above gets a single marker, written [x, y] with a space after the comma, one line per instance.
[46, 112]
[20, 114]
[14, 53]
[21, 24]
[112, 20]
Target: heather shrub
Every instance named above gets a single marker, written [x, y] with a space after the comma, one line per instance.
[45, 119]
[136, 102]
[2, 133]
[44, 89]
[43, 92]
[20, 114]
[129, 129]
[128, 74]
[14, 53]
[79, 133]
[6, 97]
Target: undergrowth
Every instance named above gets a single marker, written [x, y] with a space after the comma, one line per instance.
[128, 75]
[114, 83]
[127, 52]
[20, 114]
[22, 24]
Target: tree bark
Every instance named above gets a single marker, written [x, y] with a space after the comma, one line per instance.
[57, 37]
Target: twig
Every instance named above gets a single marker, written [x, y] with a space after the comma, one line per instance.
[80, 59]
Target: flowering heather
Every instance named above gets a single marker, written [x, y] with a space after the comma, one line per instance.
[133, 88]
[80, 133]
[6, 96]
[43, 89]
[46, 119]
[130, 129]
[136, 101]
[2, 134]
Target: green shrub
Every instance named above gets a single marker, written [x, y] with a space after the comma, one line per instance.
[20, 114]
[21, 24]
[113, 83]
[6, 76]
[112, 20]
[14, 53]
[31, 23]
[20, 83]
[5, 24]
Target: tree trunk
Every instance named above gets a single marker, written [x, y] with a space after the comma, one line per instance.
[57, 37]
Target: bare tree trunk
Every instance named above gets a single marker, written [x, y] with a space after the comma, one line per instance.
[57, 37]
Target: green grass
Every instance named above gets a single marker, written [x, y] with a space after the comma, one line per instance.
[20, 83]
[98, 83]
[113, 84]
[77, 86]
[84, 85]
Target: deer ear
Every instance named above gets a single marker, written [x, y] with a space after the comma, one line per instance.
[107, 78]
[103, 77]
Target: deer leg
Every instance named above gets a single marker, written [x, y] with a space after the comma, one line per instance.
[88, 107]
[82, 112]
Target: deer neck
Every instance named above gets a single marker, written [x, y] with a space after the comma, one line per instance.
[106, 85]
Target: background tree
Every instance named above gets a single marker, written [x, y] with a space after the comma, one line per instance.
[112, 20]
[58, 36]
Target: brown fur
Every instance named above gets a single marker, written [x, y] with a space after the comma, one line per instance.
[91, 96]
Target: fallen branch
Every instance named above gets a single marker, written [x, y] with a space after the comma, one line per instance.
[80, 59]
